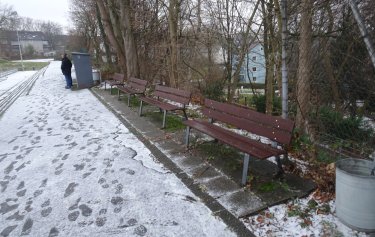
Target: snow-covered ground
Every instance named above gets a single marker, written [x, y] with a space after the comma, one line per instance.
[69, 167]
[10, 82]
[300, 218]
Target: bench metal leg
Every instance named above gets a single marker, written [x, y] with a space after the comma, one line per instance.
[105, 85]
[187, 135]
[140, 108]
[186, 118]
[278, 161]
[279, 166]
[164, 118]
[129, 100]
[246, 160]
[118, 93]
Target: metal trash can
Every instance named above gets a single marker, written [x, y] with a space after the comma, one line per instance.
[355, 193]
[96, 76]
[83, 69]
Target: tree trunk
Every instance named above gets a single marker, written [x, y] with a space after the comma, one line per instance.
[303, 89]
[129, 43]
[327, 60]
[104, 37]
[111, 36]
[173, 12]
[269, 56]
[112, 8]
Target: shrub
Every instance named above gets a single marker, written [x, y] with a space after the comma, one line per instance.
[214, 90]
[337, 125]
[259, 102]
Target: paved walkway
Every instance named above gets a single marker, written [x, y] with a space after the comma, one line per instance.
[69, 167]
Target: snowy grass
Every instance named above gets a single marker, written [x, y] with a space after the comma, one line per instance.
[28, 65]
[43, 60]
[300, 217]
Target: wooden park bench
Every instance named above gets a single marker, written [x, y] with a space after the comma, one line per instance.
[276, 129]
[133, 87]
[167, 99]
[115, 80]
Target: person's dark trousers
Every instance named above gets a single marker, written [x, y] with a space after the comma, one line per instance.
[69, 81]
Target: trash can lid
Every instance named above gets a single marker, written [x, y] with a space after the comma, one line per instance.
[78, 53]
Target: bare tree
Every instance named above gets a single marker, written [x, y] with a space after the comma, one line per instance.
[28, 24]
[304, 68]
[173, 16]
[130, 47]
[8, 17]
[51, 31]
[103, 37]
[110, 32]
[84, 16]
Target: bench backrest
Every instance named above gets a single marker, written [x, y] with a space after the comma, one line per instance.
[118, 77]
[180, 96]
[273, 127]
[137, 84]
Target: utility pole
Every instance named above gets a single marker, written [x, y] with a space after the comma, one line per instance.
[20, 49]
[284, 70]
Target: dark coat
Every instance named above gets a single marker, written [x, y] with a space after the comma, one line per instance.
[66, 66]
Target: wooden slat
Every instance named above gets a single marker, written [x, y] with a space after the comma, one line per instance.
[173, 94]
[136, 84]
[280, 136]
[247, 145]
[279, 130]
[171, 90]
[113, 83]
[267, 120]
[138, 81]
[160, 104]
[118, 77]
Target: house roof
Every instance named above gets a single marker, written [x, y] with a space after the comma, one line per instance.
[23, 35]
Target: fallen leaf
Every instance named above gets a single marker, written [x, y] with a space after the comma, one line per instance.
[260, 219]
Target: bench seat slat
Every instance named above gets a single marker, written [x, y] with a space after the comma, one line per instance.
[280, 136]
[114, 83]
[161, 104]
[274, 128]
[117, 79]
[163, 97]
[134, 86]
[173, 94]
[266, 120]
[244, 144]
[129, 90]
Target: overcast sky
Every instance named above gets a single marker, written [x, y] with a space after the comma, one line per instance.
[47, 10]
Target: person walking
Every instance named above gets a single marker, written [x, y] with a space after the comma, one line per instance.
[66, 68]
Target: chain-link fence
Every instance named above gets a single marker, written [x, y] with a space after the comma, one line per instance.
[338, 84]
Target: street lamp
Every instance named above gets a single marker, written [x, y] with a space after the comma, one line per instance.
[19, 47]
